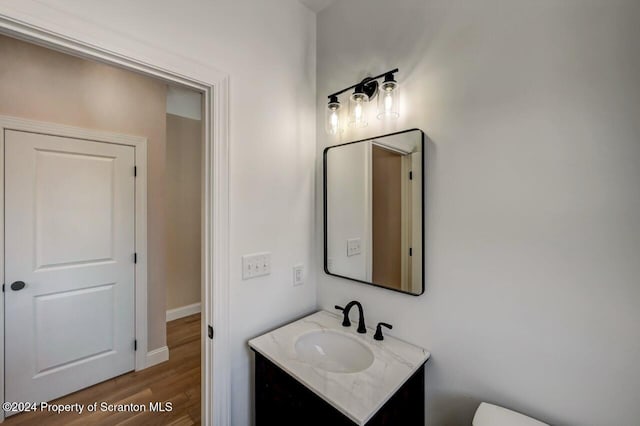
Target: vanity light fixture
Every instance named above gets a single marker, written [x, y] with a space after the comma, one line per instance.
[364, 92]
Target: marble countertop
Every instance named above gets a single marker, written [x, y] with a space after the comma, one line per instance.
[357, 395]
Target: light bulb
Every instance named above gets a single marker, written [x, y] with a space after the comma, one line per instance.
[388, 102]
[334, 120]
[358, 111]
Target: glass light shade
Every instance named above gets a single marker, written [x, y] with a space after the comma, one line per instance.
[388, 100]
[332, 120]
[357, 112]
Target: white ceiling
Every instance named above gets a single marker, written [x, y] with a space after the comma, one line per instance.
[316, 5]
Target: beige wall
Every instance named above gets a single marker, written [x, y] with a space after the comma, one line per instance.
[40, 84]
[184, 157]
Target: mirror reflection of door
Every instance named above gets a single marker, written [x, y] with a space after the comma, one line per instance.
[386, 199]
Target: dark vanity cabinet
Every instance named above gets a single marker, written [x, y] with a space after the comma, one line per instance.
[282, 400]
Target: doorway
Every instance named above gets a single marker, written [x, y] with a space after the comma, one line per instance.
[89, 183]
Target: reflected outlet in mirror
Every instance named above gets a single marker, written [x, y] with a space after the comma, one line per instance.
[373, 211]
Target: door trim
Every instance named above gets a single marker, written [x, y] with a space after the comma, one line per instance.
[24, 21]
[139, 144]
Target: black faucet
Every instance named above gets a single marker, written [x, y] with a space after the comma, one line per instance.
[345, 321]
[378, 335]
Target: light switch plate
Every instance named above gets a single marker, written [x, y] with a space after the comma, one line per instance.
[353, 246]
[256, 265]
[298, 275]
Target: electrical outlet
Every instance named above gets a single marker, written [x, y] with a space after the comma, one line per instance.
[298, 275]
[256, 265]
[353, 246]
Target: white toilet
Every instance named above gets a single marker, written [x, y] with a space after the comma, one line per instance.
[492, 415]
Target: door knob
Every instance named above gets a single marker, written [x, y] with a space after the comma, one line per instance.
[18, 285]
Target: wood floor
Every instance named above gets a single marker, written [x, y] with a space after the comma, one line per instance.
[176, 381]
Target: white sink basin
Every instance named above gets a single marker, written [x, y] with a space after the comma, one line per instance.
[333, 351]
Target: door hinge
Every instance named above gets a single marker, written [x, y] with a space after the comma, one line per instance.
[135, 257]
[410, 251]
[210, 332]
[3, 288]
[411, 175]
[135, 345]
[135, 171]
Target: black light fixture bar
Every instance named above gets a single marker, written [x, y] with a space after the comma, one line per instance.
[367, 79]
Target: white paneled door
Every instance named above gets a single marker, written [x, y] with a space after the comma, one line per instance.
[69, 256]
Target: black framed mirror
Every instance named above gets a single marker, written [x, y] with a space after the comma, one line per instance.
[373, 211]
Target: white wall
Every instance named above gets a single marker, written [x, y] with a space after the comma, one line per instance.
[268, 48]
[347, 209]
[533, 208]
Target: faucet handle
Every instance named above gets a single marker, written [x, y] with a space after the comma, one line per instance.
[378, 335]
[345, 319]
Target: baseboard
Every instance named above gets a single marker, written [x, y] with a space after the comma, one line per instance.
[157, 356]
[183, 311]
